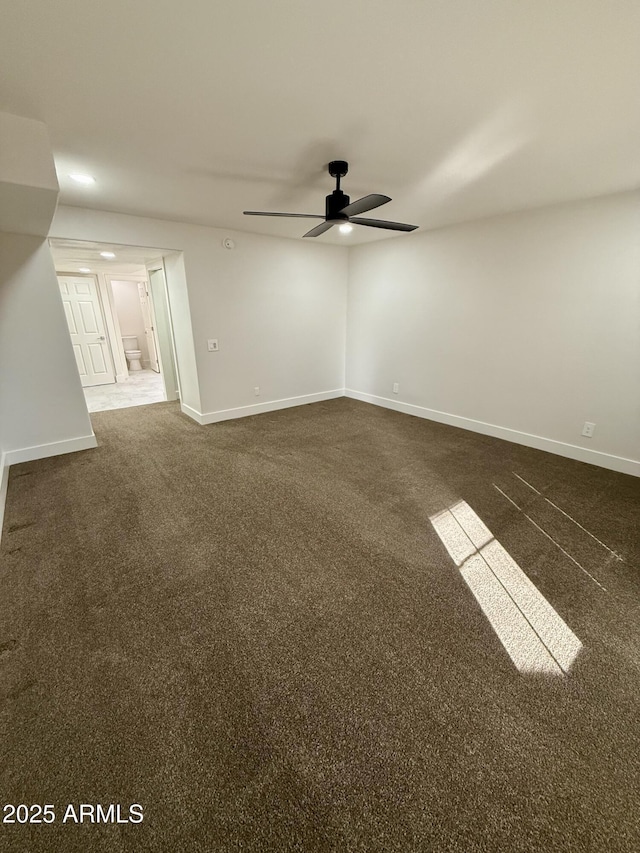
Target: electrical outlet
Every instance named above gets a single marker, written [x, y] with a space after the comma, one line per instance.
[256, 390]
[212, 345]
[396, 388]
[588, 429]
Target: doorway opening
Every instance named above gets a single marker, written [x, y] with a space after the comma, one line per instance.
[119, 317]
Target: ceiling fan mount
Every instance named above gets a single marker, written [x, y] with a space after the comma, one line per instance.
[338, 168]
[340, 210]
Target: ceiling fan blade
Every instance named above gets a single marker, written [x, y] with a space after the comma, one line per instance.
[319, 229]
[298, 215]
[382, 223]
[367, 202]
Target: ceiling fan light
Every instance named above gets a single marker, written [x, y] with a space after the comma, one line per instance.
[346, 228]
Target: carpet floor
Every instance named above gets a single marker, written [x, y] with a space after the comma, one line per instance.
[254, 631]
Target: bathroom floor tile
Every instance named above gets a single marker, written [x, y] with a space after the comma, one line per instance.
[141, 388]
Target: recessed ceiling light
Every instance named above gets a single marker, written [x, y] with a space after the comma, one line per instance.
[83, 179]
[107, 254]
[84, 269]
[346, 228]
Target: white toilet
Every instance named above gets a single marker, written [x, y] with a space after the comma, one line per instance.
[132, 352]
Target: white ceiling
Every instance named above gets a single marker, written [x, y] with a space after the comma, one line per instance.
[71, 255]
[196, 110]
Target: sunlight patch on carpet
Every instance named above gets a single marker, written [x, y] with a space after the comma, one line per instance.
[534, 635]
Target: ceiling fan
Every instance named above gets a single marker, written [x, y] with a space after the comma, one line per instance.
[339, 210]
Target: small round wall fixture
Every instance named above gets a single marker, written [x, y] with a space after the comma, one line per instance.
[228, 243]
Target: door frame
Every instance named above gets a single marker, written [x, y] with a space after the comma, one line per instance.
[108, 278]
[152, 324]
[170, 393]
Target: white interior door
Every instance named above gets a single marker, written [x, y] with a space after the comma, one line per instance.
[149, 330]
[86, 327]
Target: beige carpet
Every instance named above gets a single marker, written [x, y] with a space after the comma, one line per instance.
[253, 630]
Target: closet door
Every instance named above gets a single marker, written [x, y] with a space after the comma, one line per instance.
[87, 329]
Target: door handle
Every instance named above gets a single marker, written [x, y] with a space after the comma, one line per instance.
[102, 338]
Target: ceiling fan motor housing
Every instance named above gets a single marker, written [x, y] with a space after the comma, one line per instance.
[334, 204]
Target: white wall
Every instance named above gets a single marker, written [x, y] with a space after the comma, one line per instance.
[126, 299]
[278, 309]
[28, 182]
[529, 322]
[42, 407]
[276, 306]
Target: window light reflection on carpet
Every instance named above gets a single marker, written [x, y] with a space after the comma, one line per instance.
[533, 634]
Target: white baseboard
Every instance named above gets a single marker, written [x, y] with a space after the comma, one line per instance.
[259, 408]
[550, 445]
[194, 414]
[56, 448]
[4, 482]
